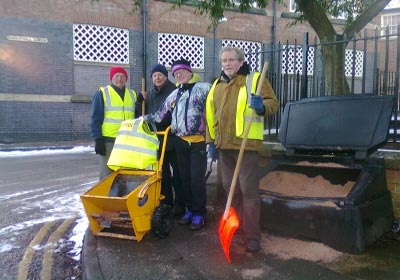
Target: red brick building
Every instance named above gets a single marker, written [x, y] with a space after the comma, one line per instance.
[55, 54]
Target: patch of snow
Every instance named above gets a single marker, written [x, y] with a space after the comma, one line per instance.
[19, 153]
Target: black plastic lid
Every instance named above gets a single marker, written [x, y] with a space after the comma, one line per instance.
[336, 123]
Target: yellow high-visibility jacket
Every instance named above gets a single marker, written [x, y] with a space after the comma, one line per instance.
[243, 111]
[116, 110]
[135, 146]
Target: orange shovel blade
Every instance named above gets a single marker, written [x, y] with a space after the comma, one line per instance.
[226, 230]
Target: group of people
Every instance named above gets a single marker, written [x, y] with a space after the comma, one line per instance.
[198, 113]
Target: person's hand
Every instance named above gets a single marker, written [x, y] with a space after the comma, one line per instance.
[140, 97]
[100, 147]
[144, 94]
[257, 104]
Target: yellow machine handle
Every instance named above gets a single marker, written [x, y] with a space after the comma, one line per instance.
[145, 187]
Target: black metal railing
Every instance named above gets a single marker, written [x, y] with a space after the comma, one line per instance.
[380, 72]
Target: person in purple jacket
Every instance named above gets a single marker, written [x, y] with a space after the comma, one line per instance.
[187, 107]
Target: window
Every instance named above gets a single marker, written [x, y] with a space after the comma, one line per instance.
[390, 22]
[100, 44]
[292, 6]
[292, 61]
[172, 47]
[358, 63]
[252, 4]
[290, 53]
[252, 51]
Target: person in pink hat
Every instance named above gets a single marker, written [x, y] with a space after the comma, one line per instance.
[111, 105]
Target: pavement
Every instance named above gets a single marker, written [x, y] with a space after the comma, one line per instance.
[186, 254]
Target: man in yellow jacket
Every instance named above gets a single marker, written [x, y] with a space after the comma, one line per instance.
[229, 104]
[111, 105]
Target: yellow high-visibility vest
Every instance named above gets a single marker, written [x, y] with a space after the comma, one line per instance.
[243, 112]
[116, 110]
[135, 146]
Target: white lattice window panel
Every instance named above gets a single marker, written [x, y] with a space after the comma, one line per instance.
[390, 21]
[358, 63]
[172, 47]
[290, 53]
[101, 44]
[251, 49]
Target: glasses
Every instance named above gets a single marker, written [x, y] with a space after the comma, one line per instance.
[228, 60]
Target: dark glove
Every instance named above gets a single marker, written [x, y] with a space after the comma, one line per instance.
[257, 104]
[100, 147]
[140, 98]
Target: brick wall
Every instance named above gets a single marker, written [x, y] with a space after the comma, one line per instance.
[44, 121]
[105, 12]
[36, 68]
[48, 69]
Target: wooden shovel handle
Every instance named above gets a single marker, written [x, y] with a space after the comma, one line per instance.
[243, 145]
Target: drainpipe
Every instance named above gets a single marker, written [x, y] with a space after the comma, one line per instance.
[273, 34]
[215, 56]
[144, 13]
[214, 50]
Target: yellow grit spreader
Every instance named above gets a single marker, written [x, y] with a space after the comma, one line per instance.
[126, 204]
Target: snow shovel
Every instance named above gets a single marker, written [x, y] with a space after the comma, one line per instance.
[230, 221]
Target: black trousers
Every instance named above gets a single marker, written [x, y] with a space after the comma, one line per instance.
[171, 186]
[192, 163]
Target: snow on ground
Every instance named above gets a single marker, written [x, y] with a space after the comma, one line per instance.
[61, 208]
[64, 207]
[19, 153]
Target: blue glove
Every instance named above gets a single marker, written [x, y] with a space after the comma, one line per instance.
[257, 104]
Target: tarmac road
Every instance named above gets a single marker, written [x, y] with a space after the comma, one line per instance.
[39, 210]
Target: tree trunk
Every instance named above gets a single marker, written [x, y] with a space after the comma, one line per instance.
[334, 69]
